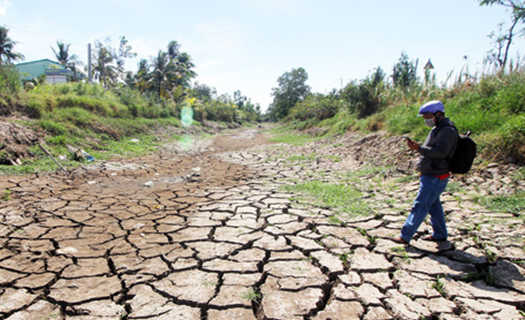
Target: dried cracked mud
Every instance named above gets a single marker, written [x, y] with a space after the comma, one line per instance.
[207, 232]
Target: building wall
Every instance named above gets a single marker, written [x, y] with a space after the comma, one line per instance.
[34, 69]
[56, 79]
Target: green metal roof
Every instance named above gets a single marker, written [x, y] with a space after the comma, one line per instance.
[34, 69]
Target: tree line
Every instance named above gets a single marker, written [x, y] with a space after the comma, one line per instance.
[169, 73]
[293, 99]
[165, 77]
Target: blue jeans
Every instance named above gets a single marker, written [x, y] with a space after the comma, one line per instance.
[427, 201]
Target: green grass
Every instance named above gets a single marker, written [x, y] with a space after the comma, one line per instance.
[375, 174]
[493, 110]
[514, 204]
[103, 121]
[406, 179]
[334, 158]
[252, 296]
[300, 158]
[106, 150]
[282, 134]
[340, 197]
[293, 139]
[102, 137]
[519, 175]
[454, 187]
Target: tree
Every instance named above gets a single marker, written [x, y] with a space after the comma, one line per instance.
[124, 52]
[63, 57]
[204, 92]
[108, 66]
[159, 80]
[404, 73]
[183, 68]
[7, 55]
[239, 99]
[365, 98]
[141, 77]
[104, 66]
[166, 72]
[292, 89]
[173, 49]
[503, 41]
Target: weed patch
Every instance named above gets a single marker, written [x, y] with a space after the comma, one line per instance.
[507, 204]
[7, 195]
[283, 135]
[340, 197]
[252, 296]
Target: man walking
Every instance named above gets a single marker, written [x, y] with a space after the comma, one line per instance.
[435, 154]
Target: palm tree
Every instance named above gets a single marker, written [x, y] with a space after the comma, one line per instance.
[7, 55]
[104, 67]
[142, 76]
[183, 66]
[160, 78]
[63, 57]
[173, 49]
[166, 72]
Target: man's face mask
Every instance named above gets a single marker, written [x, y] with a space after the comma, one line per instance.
[430, 122]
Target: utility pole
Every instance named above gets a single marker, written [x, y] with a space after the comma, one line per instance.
[90, 77]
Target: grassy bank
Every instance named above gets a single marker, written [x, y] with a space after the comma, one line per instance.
[103, 122]
[492, 108]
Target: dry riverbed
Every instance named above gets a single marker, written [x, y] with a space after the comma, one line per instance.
[207, 230]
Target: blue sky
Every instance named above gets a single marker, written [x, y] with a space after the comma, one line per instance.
[247, 44]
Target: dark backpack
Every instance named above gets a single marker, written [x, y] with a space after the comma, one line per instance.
[464, 155]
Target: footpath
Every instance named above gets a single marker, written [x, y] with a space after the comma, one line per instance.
[206, 231]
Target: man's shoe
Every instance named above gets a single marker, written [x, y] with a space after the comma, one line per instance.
[399, 239]
[431, 238]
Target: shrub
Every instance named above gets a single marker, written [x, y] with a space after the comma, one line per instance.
[52, 127]
[315, 106]
[9, 79]
[510, 143]
[511, 97]
[103, 107]
[365, 98]
[403, 119]
[488, 85]
[58, 140]
[77, 116]
[215, 111]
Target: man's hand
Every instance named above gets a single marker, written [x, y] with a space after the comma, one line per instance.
[413, 145]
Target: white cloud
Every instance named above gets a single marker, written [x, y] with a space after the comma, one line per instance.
[3, 7]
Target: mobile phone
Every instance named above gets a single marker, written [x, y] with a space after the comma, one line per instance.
[406, 137]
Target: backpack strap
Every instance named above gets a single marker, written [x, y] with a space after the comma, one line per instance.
[449, 156]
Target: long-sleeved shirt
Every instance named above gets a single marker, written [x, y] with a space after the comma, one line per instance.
[438, 148]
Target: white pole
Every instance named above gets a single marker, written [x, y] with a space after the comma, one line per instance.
[89, 64]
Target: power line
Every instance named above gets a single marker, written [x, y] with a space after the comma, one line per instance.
[44, 35]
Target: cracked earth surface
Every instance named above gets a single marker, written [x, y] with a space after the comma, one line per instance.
[210, 234]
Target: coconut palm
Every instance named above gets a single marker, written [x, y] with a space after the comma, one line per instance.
[180, 65]
[138, 80]
[166, 72]
[63, 56]
[104, 65]
[183, 69]
[160, 78]
[7, 55]
[173, 49]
